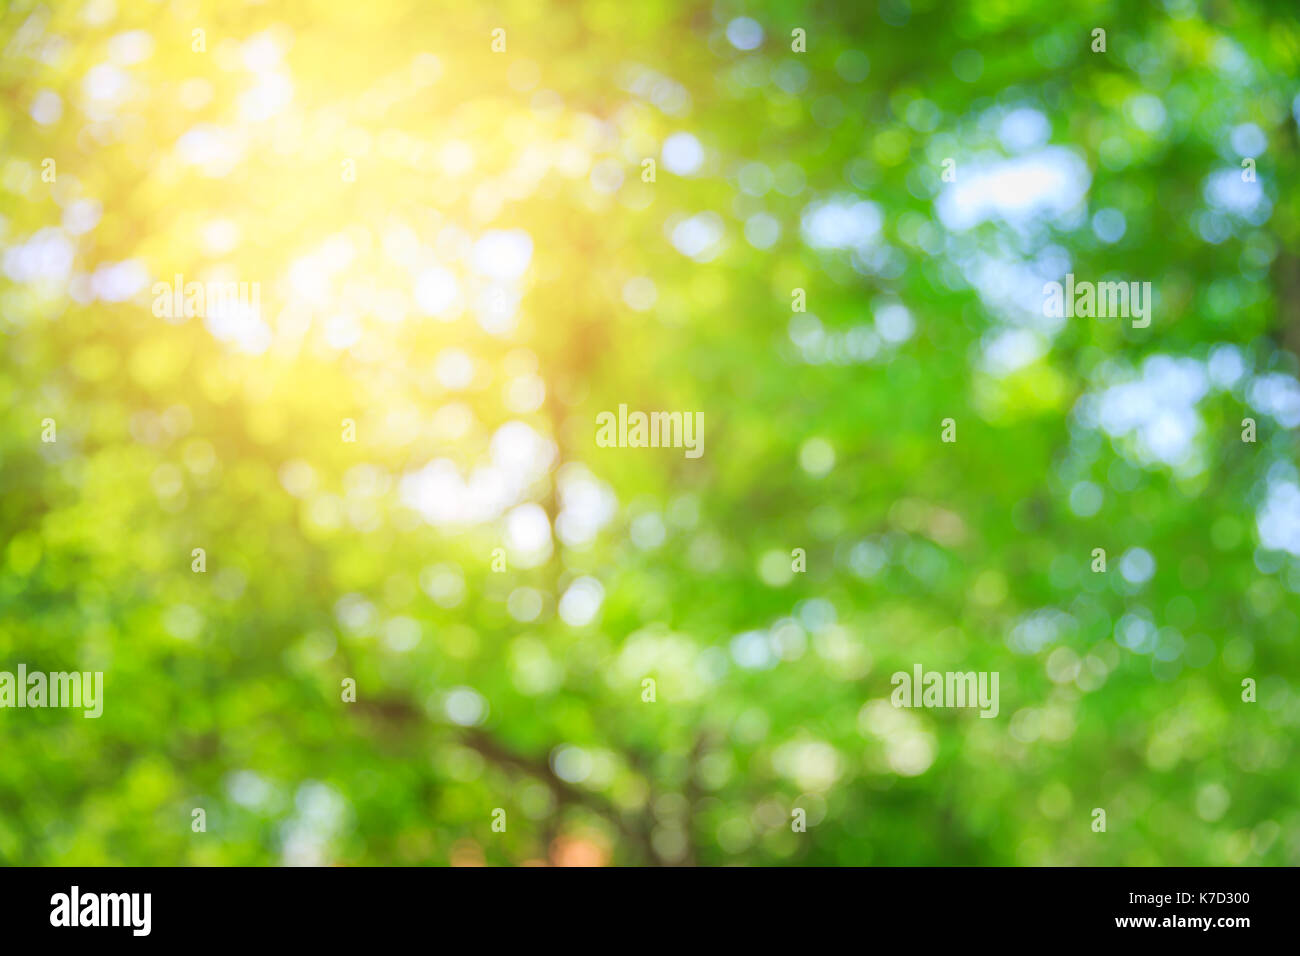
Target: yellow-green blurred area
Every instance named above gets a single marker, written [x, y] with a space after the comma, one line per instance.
[461, 257]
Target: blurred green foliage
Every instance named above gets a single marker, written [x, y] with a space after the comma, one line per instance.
[329, 560]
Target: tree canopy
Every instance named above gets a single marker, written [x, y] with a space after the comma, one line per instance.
[308, 313]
